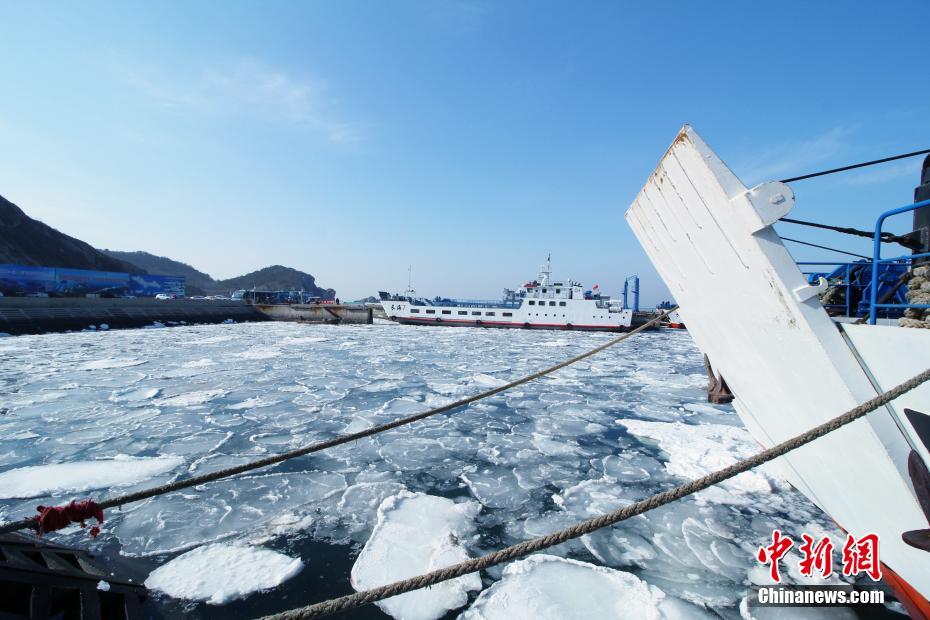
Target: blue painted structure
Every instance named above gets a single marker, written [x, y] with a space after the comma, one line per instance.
[626, 288]
[856, 280]
[65, 282]
[877, 260]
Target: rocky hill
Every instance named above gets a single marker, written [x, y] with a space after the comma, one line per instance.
[25, 241]
[274, 278]
[278, 278]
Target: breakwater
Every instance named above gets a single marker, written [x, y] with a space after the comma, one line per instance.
[37, 315]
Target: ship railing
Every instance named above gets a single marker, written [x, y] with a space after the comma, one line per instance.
[856, 295]
[877, 260]
[477, 303]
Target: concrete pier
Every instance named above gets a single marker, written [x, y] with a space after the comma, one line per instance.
[37, 315]
[318, 313]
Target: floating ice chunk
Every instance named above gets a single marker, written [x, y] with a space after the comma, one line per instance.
[416, 533]
[359, 503]
[221, 573]
[548, 587]
[134, 394]
[254, 402]
[697, 450]
[108, 363]
[260, 353]
[221, 509]
[495, 487]
[190, 399]
[201, 363]
[488, 381]
[77, 476]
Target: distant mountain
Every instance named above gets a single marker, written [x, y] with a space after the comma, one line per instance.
[25, 241]
[274, 278]
[277, 278]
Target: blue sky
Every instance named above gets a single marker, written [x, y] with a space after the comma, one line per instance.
[468, 139]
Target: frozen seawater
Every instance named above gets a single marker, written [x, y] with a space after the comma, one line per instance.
[220, 573]
[77, 476]
[546, 587]
[414, 534]
[536, 458]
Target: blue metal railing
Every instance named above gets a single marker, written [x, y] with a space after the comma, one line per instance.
[855, 278]
[877, 259]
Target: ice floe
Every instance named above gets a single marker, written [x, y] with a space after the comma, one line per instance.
[546, 587]
[77, 476]
[221, 573]
[416, 533]
[537, 458]
[696, 450]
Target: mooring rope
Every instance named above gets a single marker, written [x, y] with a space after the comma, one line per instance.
[30, 523]
[367, 597]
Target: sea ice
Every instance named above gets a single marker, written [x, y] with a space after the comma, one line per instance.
[416, 533]
[546, 587]
[697, 450]
[221, 573]
[77, 476]
[538, 458]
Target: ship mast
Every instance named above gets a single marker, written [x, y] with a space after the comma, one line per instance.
[410, 292]
[545, 272]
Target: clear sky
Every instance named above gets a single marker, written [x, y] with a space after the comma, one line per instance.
[468, 139]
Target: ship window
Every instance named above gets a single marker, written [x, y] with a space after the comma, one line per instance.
[532, 303]
[430, 312]
[476, 313]
[561, 303]
[551, 303]
[463, 312]
[544, 290]
[508, 314]
[415, 310]
[488, 314]
[557, 291]
[447, 312]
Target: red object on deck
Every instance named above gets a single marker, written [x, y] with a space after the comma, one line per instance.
[51, 518]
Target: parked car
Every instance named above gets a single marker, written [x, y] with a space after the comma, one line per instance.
[164, 296]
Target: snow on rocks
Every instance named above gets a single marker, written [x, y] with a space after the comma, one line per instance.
[77, 476]
[221, 573]
[416, 533]
[547, 587]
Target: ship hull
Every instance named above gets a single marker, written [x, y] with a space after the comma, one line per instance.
[509, 325]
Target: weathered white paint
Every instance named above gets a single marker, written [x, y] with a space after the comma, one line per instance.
[747, 305]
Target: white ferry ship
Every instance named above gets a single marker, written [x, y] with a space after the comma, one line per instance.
[539, 304]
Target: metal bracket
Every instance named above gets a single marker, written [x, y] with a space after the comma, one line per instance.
[803, 293]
